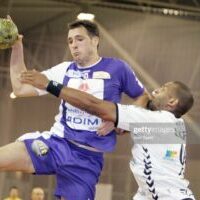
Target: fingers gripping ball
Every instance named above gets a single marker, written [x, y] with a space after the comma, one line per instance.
[8, 33]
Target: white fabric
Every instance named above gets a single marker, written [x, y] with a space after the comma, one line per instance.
[55, 73]
[84, 120]
[158, 168]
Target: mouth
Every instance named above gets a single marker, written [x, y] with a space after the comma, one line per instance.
[76, 54]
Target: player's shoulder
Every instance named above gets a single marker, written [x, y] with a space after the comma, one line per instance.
[168, 116]
[64, 65]
[59, 68]
[117, 65]
[58, 71]
[115, 60]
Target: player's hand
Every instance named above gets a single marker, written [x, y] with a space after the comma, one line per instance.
[18, 42]
[34, 78]
[105, 128]
[20, 36]
[120, 131]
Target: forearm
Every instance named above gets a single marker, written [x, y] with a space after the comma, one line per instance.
[17, 66]
[103, 109]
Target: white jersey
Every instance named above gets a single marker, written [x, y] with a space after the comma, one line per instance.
[158, 161]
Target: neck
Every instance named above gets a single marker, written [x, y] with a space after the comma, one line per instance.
[151, 106]
[90, 61]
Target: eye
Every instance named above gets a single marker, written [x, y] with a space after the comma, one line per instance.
[70, 41]
[80, 39]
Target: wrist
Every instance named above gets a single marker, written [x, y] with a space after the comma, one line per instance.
[54, 88]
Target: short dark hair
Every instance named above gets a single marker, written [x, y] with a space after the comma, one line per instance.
[90, 26]
[185, 98]
[13, 187]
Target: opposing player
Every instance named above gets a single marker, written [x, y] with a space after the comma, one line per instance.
[71, 149]
[158, 165]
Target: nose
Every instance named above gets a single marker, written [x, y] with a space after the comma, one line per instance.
[156, 91]
[73, 44]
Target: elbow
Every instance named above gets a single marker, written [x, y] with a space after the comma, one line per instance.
[17, 93]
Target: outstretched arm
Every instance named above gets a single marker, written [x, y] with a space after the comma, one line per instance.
[104, 109]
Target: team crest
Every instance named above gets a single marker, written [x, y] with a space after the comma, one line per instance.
[101, 75]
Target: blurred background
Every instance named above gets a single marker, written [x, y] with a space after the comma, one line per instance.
[160, 39]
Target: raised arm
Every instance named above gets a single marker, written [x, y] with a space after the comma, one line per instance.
[17, 66]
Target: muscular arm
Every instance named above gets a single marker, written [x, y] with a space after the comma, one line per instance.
[17, 66]
[104, 109]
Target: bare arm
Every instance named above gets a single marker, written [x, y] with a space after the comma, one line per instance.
[17, 66]
[104, 109]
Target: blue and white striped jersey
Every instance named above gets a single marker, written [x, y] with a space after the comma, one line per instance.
[107, 79]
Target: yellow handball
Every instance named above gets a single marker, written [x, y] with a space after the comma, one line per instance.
[8, 33]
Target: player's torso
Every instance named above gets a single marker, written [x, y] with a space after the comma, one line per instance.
[159, 167]
[102, 81]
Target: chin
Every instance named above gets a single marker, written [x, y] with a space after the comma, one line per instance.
[151, 105]
[76, 59]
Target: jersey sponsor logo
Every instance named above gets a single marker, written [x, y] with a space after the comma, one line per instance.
[84, 121]
[78, 74]
[73, 74]
[187, 192]
[171, 155]
[101, 75]
[78, 119]
[84, 87]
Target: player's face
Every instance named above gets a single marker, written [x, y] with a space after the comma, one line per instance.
[37, 194]
[14, 193]
[162, 96]
[83, 47]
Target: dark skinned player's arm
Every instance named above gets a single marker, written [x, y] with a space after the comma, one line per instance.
[104, 109]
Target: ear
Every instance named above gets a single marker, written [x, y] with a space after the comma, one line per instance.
[95, 40]
[172, 103]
